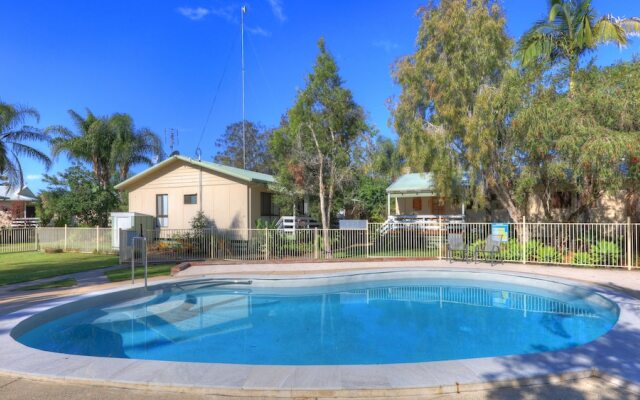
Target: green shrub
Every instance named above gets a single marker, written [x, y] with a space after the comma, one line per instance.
[511, 251]
[582, 258]
[533, 247]
[548, 254]
[477, 245]
[605, 253]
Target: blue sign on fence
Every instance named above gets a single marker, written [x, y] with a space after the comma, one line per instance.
[500, 230]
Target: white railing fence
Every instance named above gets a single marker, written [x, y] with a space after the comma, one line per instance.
[71, 239]
[589, 244]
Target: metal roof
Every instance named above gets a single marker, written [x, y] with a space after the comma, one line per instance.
[413, 183]
[238, 173]
[14, 194]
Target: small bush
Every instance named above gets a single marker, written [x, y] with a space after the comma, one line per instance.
[548, 254]
[533, 247]
[582, 258]
[511, 251]
[605, 253]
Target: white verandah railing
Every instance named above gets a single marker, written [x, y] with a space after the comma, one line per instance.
[582, 244]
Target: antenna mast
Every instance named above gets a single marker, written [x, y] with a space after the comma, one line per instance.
[243, 11]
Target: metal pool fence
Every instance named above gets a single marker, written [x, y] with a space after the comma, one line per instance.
[581, 244]
[84, 240]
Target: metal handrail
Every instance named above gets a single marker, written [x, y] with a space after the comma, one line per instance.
[133, 259]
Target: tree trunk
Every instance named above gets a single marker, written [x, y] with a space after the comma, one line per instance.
[323, 214]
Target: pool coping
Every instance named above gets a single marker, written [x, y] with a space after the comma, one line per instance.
[614, 355]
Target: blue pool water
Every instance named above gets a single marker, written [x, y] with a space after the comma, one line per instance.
[375, 322]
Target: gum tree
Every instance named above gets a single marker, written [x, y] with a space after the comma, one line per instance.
[461, 47]
[317, 145]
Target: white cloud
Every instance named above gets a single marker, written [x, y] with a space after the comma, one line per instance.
[386, 45]
[276, 9]
[257, 31]
[226, 13]
[230, 13]
[34, 177]
[194, 14]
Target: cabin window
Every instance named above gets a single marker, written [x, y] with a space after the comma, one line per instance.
[162, 210]
[267, 206]
[560, 200]
[190, 199]
[417, 204]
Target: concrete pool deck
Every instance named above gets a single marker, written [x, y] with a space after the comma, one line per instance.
[614, 357]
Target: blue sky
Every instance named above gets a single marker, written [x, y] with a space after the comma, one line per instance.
[161, 61]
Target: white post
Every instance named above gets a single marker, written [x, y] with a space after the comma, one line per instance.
[37, 240]
[388, 205]
[629, 247]
[439, 238]
[366, 237]
[266, 243]
[65, 237]
[524, 239]
[315, 243]
[97, 239]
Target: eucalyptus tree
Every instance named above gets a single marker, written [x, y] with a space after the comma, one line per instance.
[131, 145]
[252, 146]
[572, 29]
[461, 47]
[316, 148]
[14, 138]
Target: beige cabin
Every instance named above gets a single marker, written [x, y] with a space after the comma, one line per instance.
[174, 190]
[412, 197]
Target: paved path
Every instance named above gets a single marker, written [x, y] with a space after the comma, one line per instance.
[584, 389]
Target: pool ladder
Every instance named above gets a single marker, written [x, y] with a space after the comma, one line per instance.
[143, 256]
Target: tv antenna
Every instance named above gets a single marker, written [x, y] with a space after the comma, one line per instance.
[173, 137]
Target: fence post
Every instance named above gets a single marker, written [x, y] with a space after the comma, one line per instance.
[439, 238]
[65, 237]
[316, 243]
[524, 239]
[629, 246]
[266, 244]
[37, 239]
[97, 239]
[366, 238]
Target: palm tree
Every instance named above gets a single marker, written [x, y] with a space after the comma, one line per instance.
[13, 134]
[571, 30]
[132, 146]
[93, 143]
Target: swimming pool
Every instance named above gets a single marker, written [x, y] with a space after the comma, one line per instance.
[359, 319]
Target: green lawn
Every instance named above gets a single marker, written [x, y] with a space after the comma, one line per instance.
[28, 266]
[62, 283]
[124, 274]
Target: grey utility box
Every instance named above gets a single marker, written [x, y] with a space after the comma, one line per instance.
[127, 221]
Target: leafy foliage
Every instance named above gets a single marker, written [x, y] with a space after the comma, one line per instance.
[571, 30]
[108, 144]
[76, 197]
[323, 135]
[14, 133]
[5, 219]
[258, 158]
[462, 46]
[200, 221]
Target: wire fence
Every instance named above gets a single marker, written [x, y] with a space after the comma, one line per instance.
[71, 239]
[581, 244]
